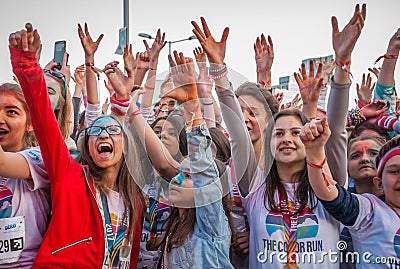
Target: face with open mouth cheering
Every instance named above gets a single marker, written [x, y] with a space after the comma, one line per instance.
[13, 122]
[105, 140]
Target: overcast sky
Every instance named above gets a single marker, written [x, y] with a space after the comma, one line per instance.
[299, 29]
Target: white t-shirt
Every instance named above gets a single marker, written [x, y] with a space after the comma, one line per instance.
[30, 199]
[149, 259]
[376, 234]
[317, 233]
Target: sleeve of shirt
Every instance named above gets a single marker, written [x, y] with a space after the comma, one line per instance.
[336, 146]
[244, 158]
[210, 215]
[345, 208]
[37, 169]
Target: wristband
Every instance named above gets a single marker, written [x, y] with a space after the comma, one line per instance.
[321, 166]
[387, 56]
[120, 106]
[151, 88]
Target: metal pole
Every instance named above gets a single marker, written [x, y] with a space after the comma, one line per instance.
[126, 19]
[169, 45]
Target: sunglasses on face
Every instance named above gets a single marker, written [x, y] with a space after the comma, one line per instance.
[58, 75]
[97, 130]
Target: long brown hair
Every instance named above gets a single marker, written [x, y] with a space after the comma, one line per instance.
[179, 228]
[304, 192]
[29, 136]
[126, 184]
[64, 109]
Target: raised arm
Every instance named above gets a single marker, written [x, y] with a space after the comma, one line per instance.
[242, 149]
[93, 109]
[309, 87]
[336, 200]
[153, 52]
[23, 48]
[161, 159]
[338, 102]
[264, 52]
[204, 88]
[80, 83]
[386, 75]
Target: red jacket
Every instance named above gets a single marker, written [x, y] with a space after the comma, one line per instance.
[75, 236]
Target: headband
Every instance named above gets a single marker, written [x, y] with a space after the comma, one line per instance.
[393, 152]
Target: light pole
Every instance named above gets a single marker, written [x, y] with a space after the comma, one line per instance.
[144, 35]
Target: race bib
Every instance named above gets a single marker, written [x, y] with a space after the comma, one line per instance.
[12, 239]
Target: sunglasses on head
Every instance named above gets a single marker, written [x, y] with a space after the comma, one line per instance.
[58, 75]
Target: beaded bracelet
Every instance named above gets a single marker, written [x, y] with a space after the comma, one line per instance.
[220, 75]
[355, 116]
[219, 70]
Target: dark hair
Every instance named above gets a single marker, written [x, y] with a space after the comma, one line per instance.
[29, 137]
[360, 128]
[221, 142]
[82, 119]
[263, 95]
[181, 135]
[304, 192]
[394, 142]
[125, 182]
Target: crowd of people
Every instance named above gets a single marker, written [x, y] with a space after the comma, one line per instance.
[208, 176]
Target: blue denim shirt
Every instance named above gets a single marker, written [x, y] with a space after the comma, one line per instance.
[208, 246]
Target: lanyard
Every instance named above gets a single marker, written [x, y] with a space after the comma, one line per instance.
[114, 244]
[290, 217]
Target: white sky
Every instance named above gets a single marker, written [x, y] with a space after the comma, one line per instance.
[299, 29]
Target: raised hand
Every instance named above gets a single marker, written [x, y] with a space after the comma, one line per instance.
[394, 43]
[104, 107]
[375, 71]
[309, 87]
[373, 110]
[183, 77]
[26, 39]
[201, 57]
[121, 84]
[365, 90]
[109, 87]
[154, 51]
[144, 61]
[315, 133]
[264, 53]
[215, 50]
[89, 46]
[327, 69]
[130, 62]
[344, 41]
[79, 75]
[279, 97]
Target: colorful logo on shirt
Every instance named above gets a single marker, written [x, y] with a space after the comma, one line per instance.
[307, 226]
[396, 243]
[5, 202]
[36, 157]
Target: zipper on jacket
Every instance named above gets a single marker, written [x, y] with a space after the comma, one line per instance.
[73, 244]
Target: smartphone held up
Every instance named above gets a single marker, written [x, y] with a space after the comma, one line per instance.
[59, 50]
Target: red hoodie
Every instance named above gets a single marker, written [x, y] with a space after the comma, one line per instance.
[75, 236]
